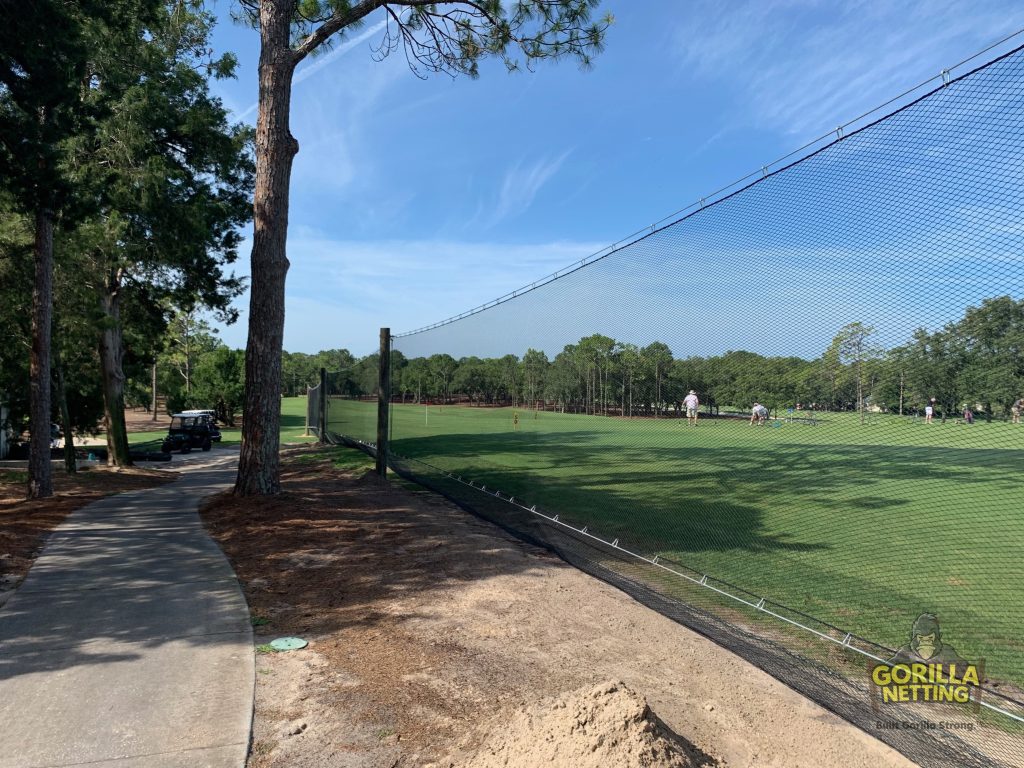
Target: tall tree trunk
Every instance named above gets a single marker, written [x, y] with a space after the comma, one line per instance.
[657, 376]
[112, 373]
[155, 417]
[860, 392]
[259, 466]
[70, 465]
[188, 362]
[40, 478]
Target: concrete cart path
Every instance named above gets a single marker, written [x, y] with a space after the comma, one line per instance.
[129, 643]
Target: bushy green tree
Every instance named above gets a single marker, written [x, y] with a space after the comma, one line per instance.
[169, 180]
[53, 88]
[535, 366]
[220, 382]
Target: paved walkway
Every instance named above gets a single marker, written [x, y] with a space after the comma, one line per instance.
[129, 643]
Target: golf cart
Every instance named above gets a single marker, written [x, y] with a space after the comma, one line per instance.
[190, 431]
[212, 414]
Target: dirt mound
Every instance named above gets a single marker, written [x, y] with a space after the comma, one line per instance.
[607, 725]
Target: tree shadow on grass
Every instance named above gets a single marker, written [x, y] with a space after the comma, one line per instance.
[700, 498]
[292, 420]
[854, 534]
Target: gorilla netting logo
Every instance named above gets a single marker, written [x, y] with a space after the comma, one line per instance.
[926, 670]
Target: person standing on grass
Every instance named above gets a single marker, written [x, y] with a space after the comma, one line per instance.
[692, 403]
[1015, 409]
[929, 411]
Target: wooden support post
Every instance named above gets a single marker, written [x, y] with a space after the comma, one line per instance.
[321, 419]
[383, 401]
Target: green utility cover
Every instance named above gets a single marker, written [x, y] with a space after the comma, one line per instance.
[288, 643]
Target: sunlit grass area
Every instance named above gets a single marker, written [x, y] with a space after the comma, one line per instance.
[861, 525]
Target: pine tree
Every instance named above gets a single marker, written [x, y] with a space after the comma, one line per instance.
[44, 71]
[449, 37]
[169, 181]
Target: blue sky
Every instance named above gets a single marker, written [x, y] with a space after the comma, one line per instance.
[414, 200]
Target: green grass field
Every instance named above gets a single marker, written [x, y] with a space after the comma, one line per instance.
[293, 427]
[863, 526]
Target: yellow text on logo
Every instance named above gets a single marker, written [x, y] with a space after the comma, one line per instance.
[904, 683]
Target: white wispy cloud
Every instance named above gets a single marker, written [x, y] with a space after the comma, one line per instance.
[333, 117]
[519, 187]
[341, 292]
[317, 63]
[803, 67]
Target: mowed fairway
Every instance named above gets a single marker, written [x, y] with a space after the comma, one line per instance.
[864, 526]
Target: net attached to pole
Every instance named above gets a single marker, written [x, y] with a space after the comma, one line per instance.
[789, 419]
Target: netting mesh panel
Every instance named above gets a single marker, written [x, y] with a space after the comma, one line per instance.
[852, 327]
[352, 402]
[313, 395]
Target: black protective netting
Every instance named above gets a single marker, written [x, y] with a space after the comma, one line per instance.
[314, 418]
[849, 485]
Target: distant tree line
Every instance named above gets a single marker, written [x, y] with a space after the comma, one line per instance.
[976, 362]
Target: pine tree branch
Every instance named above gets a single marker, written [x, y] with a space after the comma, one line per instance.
[337, 22]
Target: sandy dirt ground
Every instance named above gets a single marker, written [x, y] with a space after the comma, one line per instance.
[141, 420]
[429, 631]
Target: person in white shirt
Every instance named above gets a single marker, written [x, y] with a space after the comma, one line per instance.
[758, 415]
[692, 403]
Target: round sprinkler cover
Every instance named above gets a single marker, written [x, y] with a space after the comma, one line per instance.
[288, 644]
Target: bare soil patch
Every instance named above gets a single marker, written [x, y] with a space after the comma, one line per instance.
[25, 524]
[141, 420]
[436, 639]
